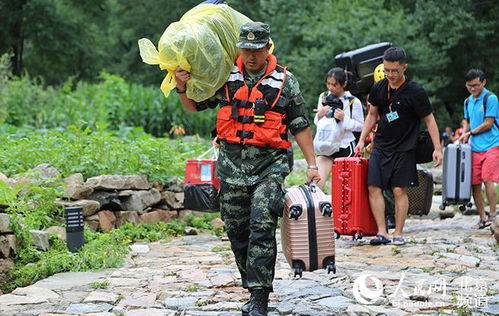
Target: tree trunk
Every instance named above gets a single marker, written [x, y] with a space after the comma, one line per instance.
[18, 33]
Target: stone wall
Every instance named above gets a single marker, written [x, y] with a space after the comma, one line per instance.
[108, 201]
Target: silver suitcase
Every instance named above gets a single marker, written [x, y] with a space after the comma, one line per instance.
[456, 186]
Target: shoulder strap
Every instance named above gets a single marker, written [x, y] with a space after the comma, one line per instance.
[485, 97]
[352, 100]
[466, 107]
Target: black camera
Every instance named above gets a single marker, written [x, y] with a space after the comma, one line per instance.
[334, 102]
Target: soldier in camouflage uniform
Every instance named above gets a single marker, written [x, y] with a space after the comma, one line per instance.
[252, 172]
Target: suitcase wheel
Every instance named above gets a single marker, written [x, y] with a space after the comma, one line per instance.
[329, 265]
[358, 236]
[462, 208]
[298, 272]
[442, 207]
[469, 204]
[298, 269]
[331, 268]
[326, 209]
[295, 212]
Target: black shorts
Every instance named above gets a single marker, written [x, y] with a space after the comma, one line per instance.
[344, 152]
[394, 169]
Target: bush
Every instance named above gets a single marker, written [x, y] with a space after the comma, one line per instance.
[112, 102]
[96, 152]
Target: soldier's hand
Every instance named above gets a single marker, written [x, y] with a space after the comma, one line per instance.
[313, 175]
[215, 143]
[181, 77]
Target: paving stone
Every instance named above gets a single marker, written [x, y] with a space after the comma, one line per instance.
[180, 303]
[150, 312]
[36, 291]
[101, 297]
[10, 299]
[69, 280]
[88, 308]
[335, 303]
[136, 248]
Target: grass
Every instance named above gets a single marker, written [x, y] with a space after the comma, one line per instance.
[75, 150]
[221, 248]
[396, 250]
[100, 285]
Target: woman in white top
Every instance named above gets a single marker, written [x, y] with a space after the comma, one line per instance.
[351, 118]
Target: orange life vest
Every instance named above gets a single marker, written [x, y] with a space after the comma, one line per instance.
[250, 116]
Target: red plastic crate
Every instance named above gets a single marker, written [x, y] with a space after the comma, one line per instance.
[201, 171]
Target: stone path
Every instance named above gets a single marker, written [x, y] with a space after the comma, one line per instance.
[445, 264]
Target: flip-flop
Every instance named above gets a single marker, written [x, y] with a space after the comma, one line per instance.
[483, 224]
[398, 241]
[379, 240]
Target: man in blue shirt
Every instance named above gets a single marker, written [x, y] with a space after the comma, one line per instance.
[481, 111]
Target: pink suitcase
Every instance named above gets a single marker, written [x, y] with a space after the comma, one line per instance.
[307, 233]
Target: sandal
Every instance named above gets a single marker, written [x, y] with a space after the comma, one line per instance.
[379, 240]
[398, 241]
[483, 224]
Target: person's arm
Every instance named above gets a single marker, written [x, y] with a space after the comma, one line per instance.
[371, 119]
[485, 126]
[356, 123]
[305, 141]
[318, 109]
[431, 124]
[181, 77]
[465, 136]
[299, 126]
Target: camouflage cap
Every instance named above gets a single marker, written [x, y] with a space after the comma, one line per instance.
[254, 35]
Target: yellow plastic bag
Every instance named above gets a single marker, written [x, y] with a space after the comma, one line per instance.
[203, 42]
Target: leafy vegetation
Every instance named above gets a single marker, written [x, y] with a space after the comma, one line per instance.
[95, 152]
[111, 103]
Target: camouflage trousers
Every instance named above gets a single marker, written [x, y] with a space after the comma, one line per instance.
[250, 215]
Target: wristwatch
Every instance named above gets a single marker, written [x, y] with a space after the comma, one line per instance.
[178, 91]
[314, 167]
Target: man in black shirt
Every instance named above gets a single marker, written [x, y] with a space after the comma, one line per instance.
[400, 104]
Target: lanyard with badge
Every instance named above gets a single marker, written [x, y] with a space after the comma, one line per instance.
[393, 115]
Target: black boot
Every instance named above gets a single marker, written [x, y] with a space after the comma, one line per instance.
[260, 302]
[247, 306]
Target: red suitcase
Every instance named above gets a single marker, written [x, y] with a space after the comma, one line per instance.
[352, 213]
